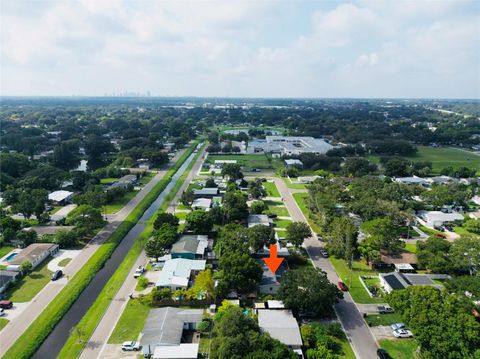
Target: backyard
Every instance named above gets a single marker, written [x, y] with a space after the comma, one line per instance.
[248, 162]
[28, 286]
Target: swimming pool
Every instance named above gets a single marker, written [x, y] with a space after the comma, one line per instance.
[10, 257]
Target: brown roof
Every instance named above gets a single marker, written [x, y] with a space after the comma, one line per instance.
[404, 257]
[31, 252]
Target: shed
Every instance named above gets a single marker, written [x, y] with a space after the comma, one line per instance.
[281, 325]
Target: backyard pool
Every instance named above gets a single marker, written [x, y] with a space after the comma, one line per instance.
[10, 257]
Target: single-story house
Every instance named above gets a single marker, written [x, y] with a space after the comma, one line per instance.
[281, 251]
[201, 203]
[396, 280]
[413, 181]
[176, 273]
[206, 192]
[398, 258]
[190, 246]
[476, 199]
[307, 179]
[474, 215]
[293, 163]
[223, 162]
[60, 197]
[438, 218]
[270, 282]
[35, 253]
[281, 325]
[258, 219]
[163, 330]
[48, 230]
[123, 182]
[441, 179]
[7, 277]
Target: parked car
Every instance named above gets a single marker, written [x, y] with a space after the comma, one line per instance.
[382, 354]
[2, 312]
[448, 227]
[440, 235]
[383, 309]
[397, 326]
[402, 333]
[6, 304]
[138, 272]
[324, 252]
[342, 286]
[130, 346]
[57, 275]
[438, 228]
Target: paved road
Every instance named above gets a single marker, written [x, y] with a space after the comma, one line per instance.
[96, 344]
[362, 340]
[16, 327]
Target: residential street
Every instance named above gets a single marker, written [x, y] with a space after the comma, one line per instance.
[362, 340]
[97, 342]
[17, 326]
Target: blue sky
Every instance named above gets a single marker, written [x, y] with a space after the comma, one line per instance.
[366, 48]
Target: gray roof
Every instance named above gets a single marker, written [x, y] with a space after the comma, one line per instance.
[281, 325]
[206, 191]
[395, 280]
[164, 326]
[258, 219]
[418, 279]
[268, 278]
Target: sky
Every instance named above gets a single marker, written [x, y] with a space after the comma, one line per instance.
[261, 48]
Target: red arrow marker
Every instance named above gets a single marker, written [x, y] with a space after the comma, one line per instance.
[273, 262]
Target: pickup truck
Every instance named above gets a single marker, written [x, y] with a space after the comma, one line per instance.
[383, 309]
[138, 272]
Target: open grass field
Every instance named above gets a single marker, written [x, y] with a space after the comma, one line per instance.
[271, 188]
[356, 289]
[442, 157]
[27, 287]
[249, 161]
[3, 323]
[118, 203]
[108, 180]
[131, 322]
[400, 348]
[383, 319]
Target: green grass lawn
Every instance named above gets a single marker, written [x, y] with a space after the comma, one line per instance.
[182, 206]
[281, 223]
[27, 287]
[279, 211]
[4, 250]
[3, 323]
[118, 203]
[356, 289]
[463, 232]
[411, 247]
[293, 185]
[400, 348]
[271, 188]
[146, 178]
[301, 199]
[131, 322]
[383, 319]
[181, 215]
[281, 234]
[108, 180]
[64, 262]
[428, 231]
[441, 158]
[249, 161]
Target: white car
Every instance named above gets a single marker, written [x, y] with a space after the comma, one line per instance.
[402, 333]
[130, 346]
[397, 326]
[2, 312]
[138, 272]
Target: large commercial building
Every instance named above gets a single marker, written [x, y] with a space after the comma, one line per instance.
[289, 145]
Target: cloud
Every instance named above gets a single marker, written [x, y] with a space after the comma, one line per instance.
[366, 48]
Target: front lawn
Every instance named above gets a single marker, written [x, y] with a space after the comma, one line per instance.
[293, 185]
[301, 199]
[356, 289]
[118, 203]
[3, 323]
[400, 348]
[271, 188]
[181, 215]
[281, 223]
[383, 319]
[130, 323]
[279, 211]
[146, 178]
[28, 286]
[429, 231]
[64, 262]
[4, 250]
[411, 247]
[108, 180]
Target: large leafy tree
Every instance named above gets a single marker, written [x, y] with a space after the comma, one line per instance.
[204, 285]
[232, 238]
[167, 234]
[235, 205]
[165, 217]
[297, 232]
[155, 247]
[232, 171]
[342, 239]
[308, 290]
[199, 222]
[433, 254]
[239, 272]
[449, 194]
[86, 217]
[255, 189]
[383, 234]
[259, 236]
[442, 323]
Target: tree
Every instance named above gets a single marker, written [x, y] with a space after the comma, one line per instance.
[433, 254]
[442, 323]
[232, 238]
[155, 247]
[465, 254]
[449, 194]
[308, 290]
[232, 171]
[472, 225]
[342, 238]
[94, 197]
[27, 237]
[258, 207]
[204, 286]
[199, 222]
[395, 167]
[163, 218]
[86, 217]
[26, 267]
[297, 232]
[187, 197]
[65, 156]
[210, 183]
[65, 238]
[358, 166]
[383, 234]
[167, 235]
[235, 204]
[255, 189]
[239, 272]
[260, 236]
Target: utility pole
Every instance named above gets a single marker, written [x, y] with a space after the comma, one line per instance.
[351, 271]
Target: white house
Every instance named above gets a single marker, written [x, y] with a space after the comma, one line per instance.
[60, 197]
[281, 325]
[438, 218]
[176, 273]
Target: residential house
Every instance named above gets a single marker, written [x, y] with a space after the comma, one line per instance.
[437, 218]
[397, 280]
[281, 325]
[124, 182]
[60, 197]
[293, 163]
[177, 273]
[162, 335]
[418, 181]
[270, 282]
[206, 192]
[190, 246]
[258, 219]
[7, 277]
[35, 253]
[202, 203]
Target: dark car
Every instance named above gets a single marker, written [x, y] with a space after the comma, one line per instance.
[440, 235]
[438, 228]
[324, 252]
[6, 304]
[382, 354]
[57, 275]
[272, 215]
[383, 309]
[342, 286]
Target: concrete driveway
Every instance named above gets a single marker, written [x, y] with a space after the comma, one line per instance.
[60, 256]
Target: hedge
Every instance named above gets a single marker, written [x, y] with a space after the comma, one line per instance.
[42, 326]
